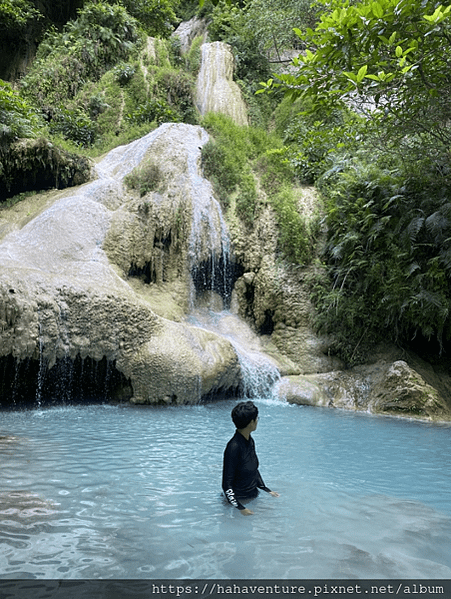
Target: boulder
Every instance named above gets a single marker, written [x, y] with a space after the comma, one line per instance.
[181, 365]
[404, 391]
[302, 391]
[384, 387]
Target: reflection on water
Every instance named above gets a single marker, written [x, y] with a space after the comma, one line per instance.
[110, 492]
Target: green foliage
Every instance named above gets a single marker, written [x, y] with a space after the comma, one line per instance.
[235, 159]
[388, 254]
[102, 36]
[95, 88]
[295, 235]
[275, 171]
[178, 89]
[271, 24]
[74, 125]
[246, 202]
[145, 179]
[96, 105]
[316, 140]
[16, 16]
[266, 26]
[225, 158]
[193, 56]
[258, 32]
[154, 110]
[155, 16]
[123, 72]
[391, 59]
[219, 166]
[225, 21]
[17, 117]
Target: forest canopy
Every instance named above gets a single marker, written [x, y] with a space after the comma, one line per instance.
[156, 16]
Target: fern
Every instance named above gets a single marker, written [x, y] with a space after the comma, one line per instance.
[414, 227]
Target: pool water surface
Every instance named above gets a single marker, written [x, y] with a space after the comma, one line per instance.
[135, 492]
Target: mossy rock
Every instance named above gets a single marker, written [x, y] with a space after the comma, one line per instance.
[37, 164]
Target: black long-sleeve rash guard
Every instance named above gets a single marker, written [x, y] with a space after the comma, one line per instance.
[240, 476]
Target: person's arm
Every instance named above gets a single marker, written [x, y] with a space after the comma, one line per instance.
[261, 485]
[231, 456]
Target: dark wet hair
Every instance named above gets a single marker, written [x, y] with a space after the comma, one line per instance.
[243, 413]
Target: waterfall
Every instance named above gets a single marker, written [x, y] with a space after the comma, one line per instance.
[209, 242]
[70, 314]
[215, 90]
[259, 373]
[42, 367]
[211, 283]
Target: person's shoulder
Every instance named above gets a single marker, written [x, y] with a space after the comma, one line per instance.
[234, 442]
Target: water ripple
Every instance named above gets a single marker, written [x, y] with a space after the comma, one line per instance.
[104, 492]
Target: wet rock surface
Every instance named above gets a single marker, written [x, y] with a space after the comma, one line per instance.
[216, 90]
[391, 388]
[64, 284]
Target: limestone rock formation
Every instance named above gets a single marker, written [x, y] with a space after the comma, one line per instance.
[276, 298]
[30, 162]
[302, 391]
[188, 30]
[65, 287]
[215, 90]
[391, 388]
[403, 390]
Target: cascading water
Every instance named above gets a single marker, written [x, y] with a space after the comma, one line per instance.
[213, 275]
[216, 90]
[65, 280]
[209, 242]
[259, 373]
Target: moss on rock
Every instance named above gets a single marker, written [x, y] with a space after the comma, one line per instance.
[37, 164]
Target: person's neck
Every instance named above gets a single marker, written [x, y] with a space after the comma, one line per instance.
[245, 432]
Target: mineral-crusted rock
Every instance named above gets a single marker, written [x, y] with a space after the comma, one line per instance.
[215, 89]
[182, 365]
[188, 30]
[404, 391]
[392, 388]
[277, 299]
[302, 391]
[64, 289]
